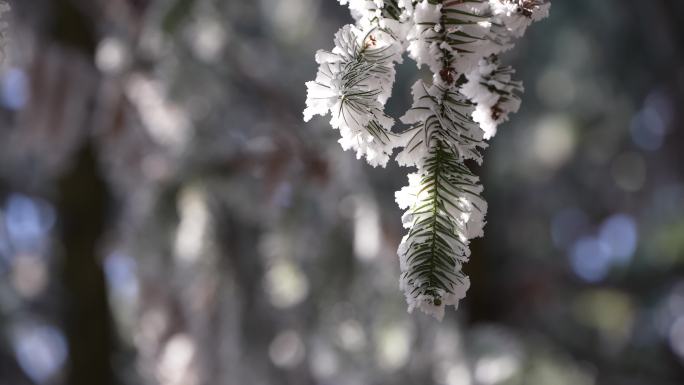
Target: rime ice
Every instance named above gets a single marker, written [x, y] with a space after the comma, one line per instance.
[470, 94]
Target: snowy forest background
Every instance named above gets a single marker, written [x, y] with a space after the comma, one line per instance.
[167, 218]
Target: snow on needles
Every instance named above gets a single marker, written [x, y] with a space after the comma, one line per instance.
[353, 84]
[470, 94]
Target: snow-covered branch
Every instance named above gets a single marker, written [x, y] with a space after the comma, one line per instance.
[470, 94]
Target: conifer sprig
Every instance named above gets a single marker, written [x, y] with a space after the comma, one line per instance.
[471, 93]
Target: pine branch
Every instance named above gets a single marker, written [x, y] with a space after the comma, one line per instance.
[432, 253]
[470, 94]
[353, 83]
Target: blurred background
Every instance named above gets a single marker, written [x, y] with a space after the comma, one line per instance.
[167, 218]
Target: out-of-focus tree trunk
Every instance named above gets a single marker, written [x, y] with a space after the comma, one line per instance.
[82, 205]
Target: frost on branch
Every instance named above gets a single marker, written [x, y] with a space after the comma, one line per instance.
[444, 211]
[353, 83]
[449, 35]
[512, 17]
[439, 113]
[384, 12]
[470, 94]
[494, 92]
